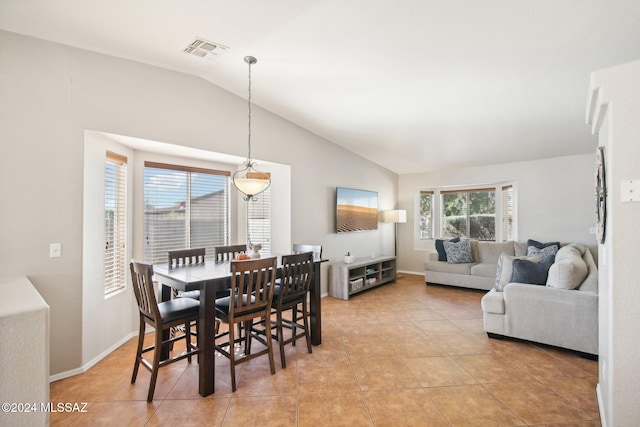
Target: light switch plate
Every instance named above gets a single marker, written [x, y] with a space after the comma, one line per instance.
[55, 250]
[630, 190]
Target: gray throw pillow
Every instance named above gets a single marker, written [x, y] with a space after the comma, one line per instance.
[532, 272]
[458, 252]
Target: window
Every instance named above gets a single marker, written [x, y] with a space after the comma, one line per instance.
[426, 214]
[115, 213]
[469, 213]
[259, 220]
[184, 207]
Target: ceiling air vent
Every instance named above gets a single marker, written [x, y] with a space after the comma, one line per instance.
[205, 49]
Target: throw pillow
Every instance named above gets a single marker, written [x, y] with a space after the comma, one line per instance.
[504, 269]
[569, 270]
[539, 245]
[442, 254]
[543, 252]
[458, 252]
[532, 272]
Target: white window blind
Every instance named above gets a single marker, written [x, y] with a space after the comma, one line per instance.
[185, 207]
[507, 212]
[259, 220]
[115, 211]
[426, 214]
[469, 214]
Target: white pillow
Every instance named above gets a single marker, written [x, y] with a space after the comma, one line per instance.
[505, 269]
[569, 270]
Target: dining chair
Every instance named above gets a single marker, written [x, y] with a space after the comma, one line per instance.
[289, 295]
[252, 287]
[301, 248]
[227, 253]
[183, 258]
[161, 317]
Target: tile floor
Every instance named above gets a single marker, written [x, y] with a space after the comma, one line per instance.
[404, 354]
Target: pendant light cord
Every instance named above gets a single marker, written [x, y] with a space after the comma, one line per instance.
[249, 105]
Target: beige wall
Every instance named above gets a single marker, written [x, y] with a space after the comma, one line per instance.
[51, 94]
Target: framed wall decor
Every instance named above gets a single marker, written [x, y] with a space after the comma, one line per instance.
[601, 195]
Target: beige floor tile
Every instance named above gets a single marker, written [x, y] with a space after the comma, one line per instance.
[333, 409]
[438, 371]
[262, 411]
[438, 327]
[383, 374]
[527, 400]
[404, 408]
[195, 412]
[492, 368]
[579, 391]
[472, 405]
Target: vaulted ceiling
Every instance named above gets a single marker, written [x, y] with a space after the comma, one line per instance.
[413, 85]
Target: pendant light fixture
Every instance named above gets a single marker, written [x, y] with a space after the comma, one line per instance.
[250, 181]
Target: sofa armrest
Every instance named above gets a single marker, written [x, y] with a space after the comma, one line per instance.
[550, 294]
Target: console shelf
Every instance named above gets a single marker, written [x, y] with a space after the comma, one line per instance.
[362, 274]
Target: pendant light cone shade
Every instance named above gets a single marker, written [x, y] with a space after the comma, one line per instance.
[250, 181]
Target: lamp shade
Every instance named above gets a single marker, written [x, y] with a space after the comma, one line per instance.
[396, 215]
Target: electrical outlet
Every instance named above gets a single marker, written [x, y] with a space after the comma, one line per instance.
[55, 250]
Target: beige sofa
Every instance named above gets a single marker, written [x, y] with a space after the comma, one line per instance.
[480, 274]
[564, 314]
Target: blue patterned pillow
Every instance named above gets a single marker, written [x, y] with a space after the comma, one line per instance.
[543, 252]
[458, 252]
[539, 245]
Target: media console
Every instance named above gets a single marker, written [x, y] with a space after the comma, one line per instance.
[362, 274]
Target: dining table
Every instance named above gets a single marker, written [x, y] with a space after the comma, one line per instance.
[211, 278]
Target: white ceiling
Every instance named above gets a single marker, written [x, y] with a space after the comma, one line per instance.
[413, 85]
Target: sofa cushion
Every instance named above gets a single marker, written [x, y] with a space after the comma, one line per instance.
[458, 252]
[445, 267]
[504, 269]
[520, 248]
[569, 270]
[543, 252]
[532, 272]
[442, 255]
[484, 269]
[488, 252]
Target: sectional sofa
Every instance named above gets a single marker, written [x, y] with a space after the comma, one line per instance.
[563, 312]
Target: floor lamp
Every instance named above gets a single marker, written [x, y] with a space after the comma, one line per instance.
[396, 216]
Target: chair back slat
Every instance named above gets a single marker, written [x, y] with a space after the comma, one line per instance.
[297, 270]
[182, 257]
[316, 249]
[143, 288]
[227, 253]
[252, 285]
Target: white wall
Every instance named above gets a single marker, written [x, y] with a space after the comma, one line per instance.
[51, 94]
[554, 200]
[614, 109]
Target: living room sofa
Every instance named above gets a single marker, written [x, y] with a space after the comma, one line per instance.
[479, 274]
[562, 312]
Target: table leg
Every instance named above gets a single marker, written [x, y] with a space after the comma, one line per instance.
[165, 295]
[315, 311]
[206, 339]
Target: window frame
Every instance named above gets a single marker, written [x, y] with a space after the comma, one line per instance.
[436, 210]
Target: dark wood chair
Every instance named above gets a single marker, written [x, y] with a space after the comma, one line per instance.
[252, 287]
[227, 253]
[183, 258]
[160, 316]
[290, 297]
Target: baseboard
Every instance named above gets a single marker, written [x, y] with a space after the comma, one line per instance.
[91, 363]
[603, 419]
[420, 273]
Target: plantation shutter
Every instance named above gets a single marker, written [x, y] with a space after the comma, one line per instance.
[185, 207]
[507, 212]
[115, 214]
[259, 220]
